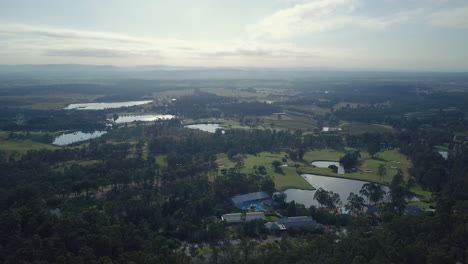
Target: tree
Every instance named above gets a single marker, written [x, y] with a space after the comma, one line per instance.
[350, 159]
[355, 203]
[382, 171]
[398, 193]
[373, 192]
[372, 148]
[276, 164]
[328, 199]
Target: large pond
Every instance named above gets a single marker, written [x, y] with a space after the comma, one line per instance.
[205, 127]
[326, 164]
[69, 138]
[144, 118]
[101, 106]
[342, 187]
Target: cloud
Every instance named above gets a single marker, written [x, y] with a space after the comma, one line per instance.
[318, 16]
[55, 33]
[259, 52]
[454, 18]
[98, 53]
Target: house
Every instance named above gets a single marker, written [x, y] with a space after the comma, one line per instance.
[412, 210]
[289, 223]
[241, 217]
[372, 211]
[298, 221]
[250, 198]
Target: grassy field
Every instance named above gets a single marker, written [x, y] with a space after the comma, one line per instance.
[231, 92]
[290, 122]
[20, 145]
[392, 160]
[359, 128]
[289, 178]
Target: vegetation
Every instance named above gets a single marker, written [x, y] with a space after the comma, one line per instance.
[155, 192]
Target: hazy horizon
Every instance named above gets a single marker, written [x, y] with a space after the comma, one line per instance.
[390, 35]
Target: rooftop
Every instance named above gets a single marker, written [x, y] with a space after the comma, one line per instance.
[244, 198]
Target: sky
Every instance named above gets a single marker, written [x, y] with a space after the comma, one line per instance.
[352, 34]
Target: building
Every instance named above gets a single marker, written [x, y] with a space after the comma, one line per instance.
[289, 223]
[372, 211]
[412, 210]
[241, 217]
[240, 200]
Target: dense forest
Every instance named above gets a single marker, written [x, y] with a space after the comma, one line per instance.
[154, 192]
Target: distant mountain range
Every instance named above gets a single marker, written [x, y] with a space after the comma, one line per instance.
[93, 72]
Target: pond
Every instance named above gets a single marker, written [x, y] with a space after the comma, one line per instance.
[101, 106]
[326, 164]
[337, 185]
[69, 138]
[444, 154]
[144, 118]
[331, 129]
[205, 127]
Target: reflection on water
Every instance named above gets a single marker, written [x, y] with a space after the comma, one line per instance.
[205, 127]
[144, 118]
[101, 106]
[342, 187]
[326, 164]
[69, 138]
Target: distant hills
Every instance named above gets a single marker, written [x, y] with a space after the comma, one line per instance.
[93, 72]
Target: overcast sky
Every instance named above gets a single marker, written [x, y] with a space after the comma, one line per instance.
[356, 34]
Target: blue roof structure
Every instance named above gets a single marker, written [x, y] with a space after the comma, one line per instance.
[238, 200]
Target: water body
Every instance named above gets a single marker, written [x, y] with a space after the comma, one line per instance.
[331, 129]
[144, 118]
[342, 187]
[69, 138]
[211, 128]
[444, 154]
[101, 106]
[326, 164]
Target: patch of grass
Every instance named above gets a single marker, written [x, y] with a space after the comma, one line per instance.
[289, 178]
[230, 92]
[422, 205]
[290, 122]
[323, 154]
[23, 146]
[442, 148]
[359, 128]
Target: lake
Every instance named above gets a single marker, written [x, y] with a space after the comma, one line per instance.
[337, 185]
[205, 127]
[69, 138]
[144, 118]
[326, 164]
[101, 106]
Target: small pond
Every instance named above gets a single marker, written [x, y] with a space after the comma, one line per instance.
[101, 106]
[331, 129]
[444, 154]
[144, 118]
[326, 164]
[337, 185]
[69, 138]
[205, 127]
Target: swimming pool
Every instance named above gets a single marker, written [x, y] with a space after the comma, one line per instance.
[252, 206]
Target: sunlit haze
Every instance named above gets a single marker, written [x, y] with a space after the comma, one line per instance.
[350, 34]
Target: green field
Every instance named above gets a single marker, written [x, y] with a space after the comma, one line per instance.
[20, 145]
[359, 128]
[392, 160]
[288, 179]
